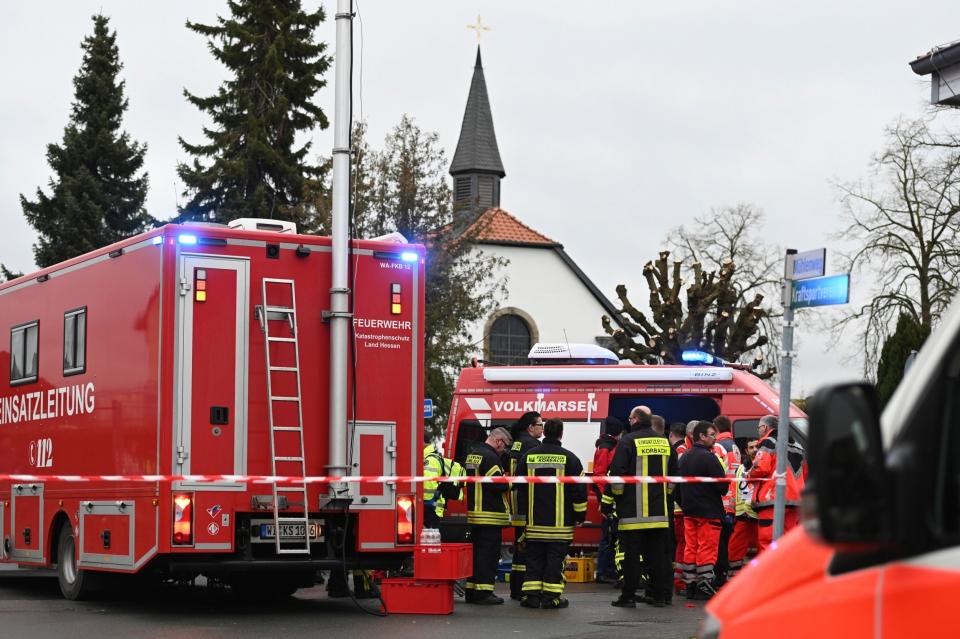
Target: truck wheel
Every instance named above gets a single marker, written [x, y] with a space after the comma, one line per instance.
[75, 584]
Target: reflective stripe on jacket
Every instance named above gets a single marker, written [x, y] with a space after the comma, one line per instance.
[486, 503]
[765, 467]
[551, 510]
[733, 460]
[521, 446]
[642, 453]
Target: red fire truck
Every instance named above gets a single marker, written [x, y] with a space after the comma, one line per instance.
[203, 350]
[581, 384]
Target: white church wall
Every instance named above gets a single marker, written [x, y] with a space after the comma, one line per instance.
[543, 287]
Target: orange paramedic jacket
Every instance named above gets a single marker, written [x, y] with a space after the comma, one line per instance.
[765, 467]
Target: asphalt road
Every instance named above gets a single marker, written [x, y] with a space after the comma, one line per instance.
[32, 607]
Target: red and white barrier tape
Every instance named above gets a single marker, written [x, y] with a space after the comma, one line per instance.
[386, 479]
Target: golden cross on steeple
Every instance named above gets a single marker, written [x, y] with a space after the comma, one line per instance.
[479, 27]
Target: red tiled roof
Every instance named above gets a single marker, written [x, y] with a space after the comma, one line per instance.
[497, 226]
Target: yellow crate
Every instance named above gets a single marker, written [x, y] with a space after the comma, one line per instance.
[579, 570]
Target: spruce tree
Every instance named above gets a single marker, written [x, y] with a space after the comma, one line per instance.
[96, 195]
[251, 164]
[909, 336]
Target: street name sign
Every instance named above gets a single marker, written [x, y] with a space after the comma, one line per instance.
[820, 291]
[809, 264]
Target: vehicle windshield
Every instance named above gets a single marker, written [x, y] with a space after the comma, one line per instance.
[802, 424]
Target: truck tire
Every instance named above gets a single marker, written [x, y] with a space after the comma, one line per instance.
[75, 584]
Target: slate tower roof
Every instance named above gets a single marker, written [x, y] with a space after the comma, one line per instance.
[477, 150]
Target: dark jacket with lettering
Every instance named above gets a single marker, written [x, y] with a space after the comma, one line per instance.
[641, 506]
[486, 503]
[521, 446]
[702, 500]
[551, 510]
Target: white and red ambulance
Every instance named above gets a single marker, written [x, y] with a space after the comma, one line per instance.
[581, 384]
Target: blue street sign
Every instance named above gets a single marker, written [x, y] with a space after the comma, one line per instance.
[820, 291]
[427, 408]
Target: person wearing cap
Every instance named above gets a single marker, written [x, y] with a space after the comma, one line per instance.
[526, 432]
[611, 429]
[487, 513]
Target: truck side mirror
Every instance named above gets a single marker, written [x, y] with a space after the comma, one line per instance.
[847, 500]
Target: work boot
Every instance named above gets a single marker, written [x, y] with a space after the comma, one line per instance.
[530, 601]
[705, 591]
[691, 592]
[624, 602]
[488, 600]
[653, 601]
[555, 603]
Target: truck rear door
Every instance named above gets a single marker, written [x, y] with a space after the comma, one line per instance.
[212, 337]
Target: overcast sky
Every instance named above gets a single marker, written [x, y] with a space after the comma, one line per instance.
[616, 121]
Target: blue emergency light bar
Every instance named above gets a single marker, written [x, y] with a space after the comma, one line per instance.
[409, 256]
[187, 238]
[699, 357]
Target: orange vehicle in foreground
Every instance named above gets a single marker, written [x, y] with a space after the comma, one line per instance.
[879, 552]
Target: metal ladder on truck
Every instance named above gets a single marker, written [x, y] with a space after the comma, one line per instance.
[291, 462]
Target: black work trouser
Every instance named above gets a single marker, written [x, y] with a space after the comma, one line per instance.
[545, 562]
[671, 547]
[652, 544]
[723, 560]
[486, 558]
[518, 569]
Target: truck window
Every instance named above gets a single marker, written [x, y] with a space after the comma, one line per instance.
[471, 432]
[75, 341]
[24, 360]
[746, 429]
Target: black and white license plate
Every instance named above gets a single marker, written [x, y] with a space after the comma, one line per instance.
[289, 532]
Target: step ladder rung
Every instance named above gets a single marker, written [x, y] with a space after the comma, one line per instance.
[281, 339]
[292, 520]
[284, 398]
[291, 489]
[279, 309]
[289, 459]
[285, 369]
[293, 551]
[287, 429]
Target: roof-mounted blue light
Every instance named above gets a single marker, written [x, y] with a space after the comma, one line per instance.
[697, 357]
[409, 256]
[187, 238]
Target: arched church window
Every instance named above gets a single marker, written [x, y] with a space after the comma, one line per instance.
[509, 341]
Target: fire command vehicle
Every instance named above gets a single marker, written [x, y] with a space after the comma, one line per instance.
[879, 552]
[203, 350]
[583, 383]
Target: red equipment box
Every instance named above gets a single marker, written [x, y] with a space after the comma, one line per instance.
[402, 595]
[443, 562]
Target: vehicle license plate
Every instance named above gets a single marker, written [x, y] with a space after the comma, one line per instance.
[289, 531]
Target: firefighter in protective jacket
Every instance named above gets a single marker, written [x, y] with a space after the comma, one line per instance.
[487, 513]
[552, 510]
[644, 522]
[526, 435]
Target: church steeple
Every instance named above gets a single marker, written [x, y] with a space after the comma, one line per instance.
[476, 167]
